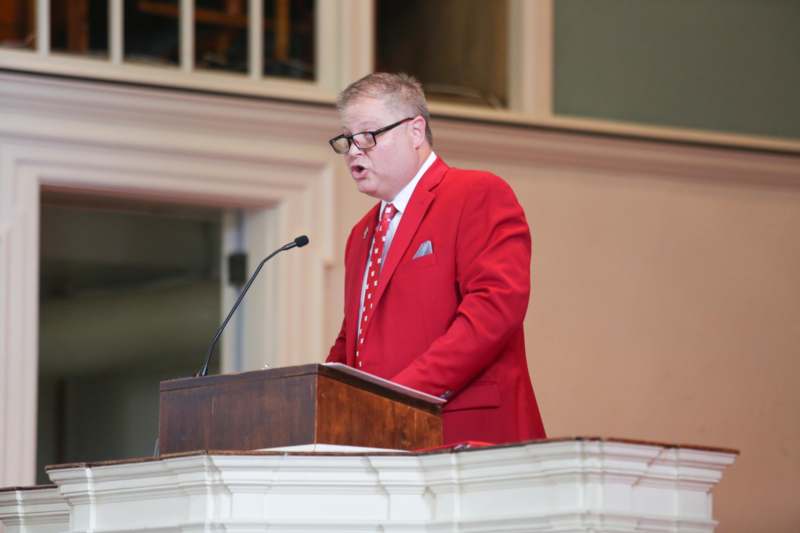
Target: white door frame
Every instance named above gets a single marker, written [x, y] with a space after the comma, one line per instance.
[260, 156]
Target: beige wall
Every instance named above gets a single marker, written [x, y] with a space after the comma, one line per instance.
[666, 297]
[667, 310]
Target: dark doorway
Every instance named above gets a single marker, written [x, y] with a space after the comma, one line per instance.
[130, 295]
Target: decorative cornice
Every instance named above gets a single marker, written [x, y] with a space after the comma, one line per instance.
[552, 151]
[548, 486]
[27, 98]
[242, 126]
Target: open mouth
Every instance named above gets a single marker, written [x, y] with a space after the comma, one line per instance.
[358, 171]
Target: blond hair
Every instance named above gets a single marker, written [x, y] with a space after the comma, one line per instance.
[400, 91]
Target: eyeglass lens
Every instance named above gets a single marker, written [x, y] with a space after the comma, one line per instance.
[361, 140]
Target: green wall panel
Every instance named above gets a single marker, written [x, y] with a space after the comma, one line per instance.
[725, 65]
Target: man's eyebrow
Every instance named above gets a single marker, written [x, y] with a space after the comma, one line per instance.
[367, 126]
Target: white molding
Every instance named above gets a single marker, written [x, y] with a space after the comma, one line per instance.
[142, 143]
[344, 45]
[19, 218]
[302, 93]
[358, 40]
[497, 146]
[545, 486]
[345, 48]
[186, 32]
[46, 511]
[327, 47]
[530, 59]
[116, 31]
[481, 116]
[42, 27]
[164, 76]
[255, 40]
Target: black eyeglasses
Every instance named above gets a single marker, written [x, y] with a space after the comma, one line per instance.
[362, 139]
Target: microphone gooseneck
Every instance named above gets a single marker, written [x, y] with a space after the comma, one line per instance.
[298, 242]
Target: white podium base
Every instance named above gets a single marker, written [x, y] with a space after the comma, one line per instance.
[566, 485]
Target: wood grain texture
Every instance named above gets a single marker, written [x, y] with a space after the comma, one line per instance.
[357, 417]
[306, 404]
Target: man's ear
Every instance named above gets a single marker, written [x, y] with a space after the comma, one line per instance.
[418, 131]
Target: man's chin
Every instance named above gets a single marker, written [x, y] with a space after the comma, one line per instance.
[365, 187]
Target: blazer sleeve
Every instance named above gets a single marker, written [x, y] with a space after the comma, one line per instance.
[337, 352]
[493, 257]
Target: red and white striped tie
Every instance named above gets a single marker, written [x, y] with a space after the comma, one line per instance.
[376, 254]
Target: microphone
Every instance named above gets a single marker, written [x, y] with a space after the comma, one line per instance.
[298, 242]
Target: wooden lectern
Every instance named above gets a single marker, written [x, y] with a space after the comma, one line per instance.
[307, 404]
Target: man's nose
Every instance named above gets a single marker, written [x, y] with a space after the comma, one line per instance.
[354, 150]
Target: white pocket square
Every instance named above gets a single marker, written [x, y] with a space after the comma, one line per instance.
[426, 248]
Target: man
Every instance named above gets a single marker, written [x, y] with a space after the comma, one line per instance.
[437, 275]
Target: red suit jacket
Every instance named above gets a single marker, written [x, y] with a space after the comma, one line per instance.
[449, 323]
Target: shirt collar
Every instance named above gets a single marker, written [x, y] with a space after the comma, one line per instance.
[400, 201]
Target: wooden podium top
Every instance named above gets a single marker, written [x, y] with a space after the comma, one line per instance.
[290, 406]
[299, 371]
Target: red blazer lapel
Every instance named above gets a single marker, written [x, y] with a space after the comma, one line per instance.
[415, 212]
